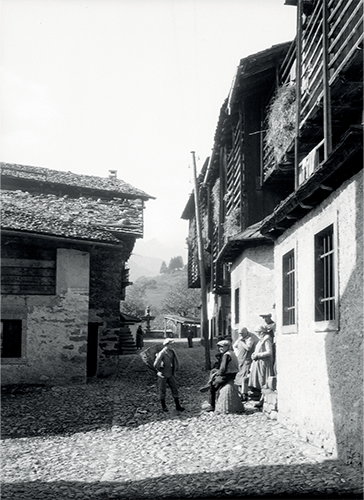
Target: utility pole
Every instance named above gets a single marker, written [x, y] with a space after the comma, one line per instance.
[201, 263]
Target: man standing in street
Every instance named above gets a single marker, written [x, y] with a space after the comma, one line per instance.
[167, 364]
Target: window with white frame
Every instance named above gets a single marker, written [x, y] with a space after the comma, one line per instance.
[11, 338]
[325, 287]
[289, 288]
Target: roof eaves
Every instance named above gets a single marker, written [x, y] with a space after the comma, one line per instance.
[251, 236]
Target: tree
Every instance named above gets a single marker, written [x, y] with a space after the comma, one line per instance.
[175, 264]
[182, 300]
[135, 301]
[164, 268]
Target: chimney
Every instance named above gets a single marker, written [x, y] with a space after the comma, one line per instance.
[113, 174]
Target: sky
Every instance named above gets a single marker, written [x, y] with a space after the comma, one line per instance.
[89, 86]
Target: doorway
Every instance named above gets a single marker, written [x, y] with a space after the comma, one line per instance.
[92, 349]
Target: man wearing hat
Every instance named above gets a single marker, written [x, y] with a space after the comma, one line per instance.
[167, 364]
[244, 348]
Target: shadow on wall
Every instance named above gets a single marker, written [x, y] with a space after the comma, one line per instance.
[344, 355]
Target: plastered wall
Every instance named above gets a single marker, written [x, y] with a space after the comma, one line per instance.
[253, 273]
[320, 371]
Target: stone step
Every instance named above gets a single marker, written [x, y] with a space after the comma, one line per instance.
[127, 342]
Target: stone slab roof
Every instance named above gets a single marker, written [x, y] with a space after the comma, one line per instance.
[44, 176]
[62, 204]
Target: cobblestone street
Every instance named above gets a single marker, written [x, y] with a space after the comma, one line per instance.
[110, 440]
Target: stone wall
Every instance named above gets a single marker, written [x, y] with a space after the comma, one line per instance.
[320, 370]
[54, 327]
[105, 293]
[253, 273]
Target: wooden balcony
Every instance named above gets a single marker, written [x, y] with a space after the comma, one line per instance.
[342, 49]
[345, 38]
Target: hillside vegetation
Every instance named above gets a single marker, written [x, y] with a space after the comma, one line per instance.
[166, 293]
[158, 287]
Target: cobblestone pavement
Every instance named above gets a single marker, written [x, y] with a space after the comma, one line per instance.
[110, 440]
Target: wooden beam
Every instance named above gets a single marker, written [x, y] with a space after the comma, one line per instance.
[304, 206]
[326, 188]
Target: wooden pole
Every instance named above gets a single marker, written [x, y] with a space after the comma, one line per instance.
[201, 263]
[298, 90]
[326, 83]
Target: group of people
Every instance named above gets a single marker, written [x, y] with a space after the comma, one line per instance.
[248, 362]
[256, 357]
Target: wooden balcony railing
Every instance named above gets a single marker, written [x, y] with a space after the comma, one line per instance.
[345, 33]
[345, 38]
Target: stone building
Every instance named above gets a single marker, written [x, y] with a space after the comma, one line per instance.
[65, 242]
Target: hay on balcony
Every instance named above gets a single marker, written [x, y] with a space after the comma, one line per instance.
[281, 121]
[216, 202]
[232, 224]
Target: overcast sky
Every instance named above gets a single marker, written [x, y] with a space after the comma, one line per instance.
[130, 85]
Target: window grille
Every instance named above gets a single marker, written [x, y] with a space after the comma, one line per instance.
[289, 289]
[324, 275]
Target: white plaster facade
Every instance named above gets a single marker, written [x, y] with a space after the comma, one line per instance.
[54, 327]
[320, 365]
[253, 274]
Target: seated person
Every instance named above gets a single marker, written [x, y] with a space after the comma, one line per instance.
[227, 371]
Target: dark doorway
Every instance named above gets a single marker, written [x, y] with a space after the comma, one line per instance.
[92, 348]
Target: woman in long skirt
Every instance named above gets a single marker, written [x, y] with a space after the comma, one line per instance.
[262, 364]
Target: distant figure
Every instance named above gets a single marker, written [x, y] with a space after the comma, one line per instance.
[190, 337]
[139, 338]
[167, 364]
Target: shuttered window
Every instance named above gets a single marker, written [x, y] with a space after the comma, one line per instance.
[27, 269]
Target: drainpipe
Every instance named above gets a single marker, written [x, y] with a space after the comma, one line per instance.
[298, 89]
[326, 84]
